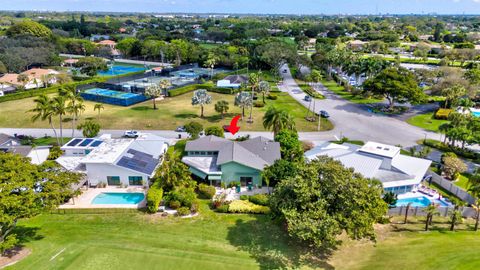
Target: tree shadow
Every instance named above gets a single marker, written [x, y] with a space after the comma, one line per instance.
[186, 115]
[67, 119]
[142, 108]
[24, 235]
[218, 117]
[272, 248]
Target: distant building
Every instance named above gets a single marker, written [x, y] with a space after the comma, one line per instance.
[398, 173]
[357, 45]
[36, 78]
[232, 81]
[10, 144]
[95, 38]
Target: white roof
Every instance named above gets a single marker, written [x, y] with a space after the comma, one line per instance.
[206, 164]
[71, 163]
[108, 152]
[404, 170]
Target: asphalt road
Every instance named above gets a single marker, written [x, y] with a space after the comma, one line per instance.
[354, 122]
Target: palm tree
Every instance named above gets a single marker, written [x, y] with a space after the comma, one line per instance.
[253, 82]
[475, 191]
[406, 212]
[153, 91]
[210, 63]
[201, 97]
[455, 214]
[221, 107]
[278, 119]
[98, 107]
[431, 211]
[243, 100]
[164, 85]
[264, 88]
[75, 106]
[60, 109]
[44, 111]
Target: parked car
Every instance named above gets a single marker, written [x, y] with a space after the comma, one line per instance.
[131, 134]
[180, 129]
[307, 98]
[324, 114]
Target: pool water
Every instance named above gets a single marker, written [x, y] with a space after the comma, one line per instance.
[110, 93]
[120, 70]
[112, 97]
[419, 201]
[476, 114]
[118, 198]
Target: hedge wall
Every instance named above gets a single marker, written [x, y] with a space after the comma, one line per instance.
[192, 87]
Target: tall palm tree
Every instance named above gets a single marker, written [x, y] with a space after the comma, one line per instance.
[60, 109]
[98, 107]
[243, 100]
[264, 88]
[278, 119]
[455, 214]
[75, 106]
[253, 82]
[44, 111]
[210, 63]
[431, 211]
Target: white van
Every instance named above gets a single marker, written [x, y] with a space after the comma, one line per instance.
[2, 94]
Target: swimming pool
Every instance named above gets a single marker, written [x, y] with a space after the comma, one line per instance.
[421, 201]
[476, 114]
[118, 198]
[112, 97]
[120, 70]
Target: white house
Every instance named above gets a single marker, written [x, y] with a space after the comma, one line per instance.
[398, 173]
[232, 81]
[127, 162]
[37, 155]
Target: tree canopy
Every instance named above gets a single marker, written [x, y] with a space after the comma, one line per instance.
[29, 27]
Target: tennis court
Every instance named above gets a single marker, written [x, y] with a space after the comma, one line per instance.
[112, 97]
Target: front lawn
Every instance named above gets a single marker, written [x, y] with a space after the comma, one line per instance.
[171, 112]
[340, 91]
[133, 240]
[426, 121]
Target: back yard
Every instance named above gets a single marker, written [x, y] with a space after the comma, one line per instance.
[171, 113]
[229, 241]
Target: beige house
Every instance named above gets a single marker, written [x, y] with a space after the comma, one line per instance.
[36, 78]
[357, 45]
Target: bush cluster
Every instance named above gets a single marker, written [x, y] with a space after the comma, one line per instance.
[272, 97]
[260, 199]
[442, 114]
[465, 153]
[183, 211]
[154, 197]
[205, 191]
[259, 104]
[246, 207]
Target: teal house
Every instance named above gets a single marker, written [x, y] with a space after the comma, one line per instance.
[220, 160]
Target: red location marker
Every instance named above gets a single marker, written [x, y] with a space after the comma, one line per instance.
[233, 128]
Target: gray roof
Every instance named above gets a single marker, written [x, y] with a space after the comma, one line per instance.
[236, 79]
[22, 150]
[5, 139]
[255, 153]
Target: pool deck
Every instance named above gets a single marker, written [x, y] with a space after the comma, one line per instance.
[84, 201]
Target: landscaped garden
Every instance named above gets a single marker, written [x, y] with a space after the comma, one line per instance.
[171, 112]
[426, 121]
[229, 241]
[340, 91]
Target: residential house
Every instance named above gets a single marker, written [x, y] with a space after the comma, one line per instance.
[127, 162]
[357, 45]
[398, 173]
[232, 81]
[112, 45]
[219, 160]
[36, 79]
[13, 145]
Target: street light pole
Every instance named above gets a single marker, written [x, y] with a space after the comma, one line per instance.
[319, 120]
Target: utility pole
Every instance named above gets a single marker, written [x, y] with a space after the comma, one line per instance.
[319, 120]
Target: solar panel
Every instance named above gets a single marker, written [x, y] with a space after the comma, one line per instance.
[74, 142]
[141, 162]
[96, 143]
[86, 142]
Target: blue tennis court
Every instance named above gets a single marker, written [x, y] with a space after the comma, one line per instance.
[112, 97]
[120, 70]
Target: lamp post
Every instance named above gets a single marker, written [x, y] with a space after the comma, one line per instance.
[319, 120]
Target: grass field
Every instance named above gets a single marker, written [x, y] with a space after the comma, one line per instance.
[340, 91]
[229, 241]
[426, 121]
[171, 112]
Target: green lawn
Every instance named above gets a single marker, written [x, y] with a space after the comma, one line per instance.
[463, 181]
[171, 112]
[340, 91]
[426, 121]
[133, 240]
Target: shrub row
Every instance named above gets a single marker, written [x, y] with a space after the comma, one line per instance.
[192, 87]
[154, 197]
[443, 114]
[309, 91]
[260, 199]
[246, 207]
[465, 153]
[49, 90]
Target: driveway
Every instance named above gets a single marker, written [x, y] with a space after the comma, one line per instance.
[354, 122]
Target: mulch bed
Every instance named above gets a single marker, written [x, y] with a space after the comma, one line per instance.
[13, 256]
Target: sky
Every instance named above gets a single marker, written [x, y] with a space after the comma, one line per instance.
[253, 6]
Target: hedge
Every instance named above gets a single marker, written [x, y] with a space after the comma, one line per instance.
[443, 114]
[154, 197]
[465, 153]
[246, 207]
[49, 90]
[260, 199]
[192, 87]
[205, 191]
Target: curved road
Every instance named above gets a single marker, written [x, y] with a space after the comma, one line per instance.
[355, 123]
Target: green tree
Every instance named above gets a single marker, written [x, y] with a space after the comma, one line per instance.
[279, 171]
[29, 27]
[153, 91]
[3, 68]
[452, 94]
[314, 208]
[290, 146]
[264, 88]
[202, 98]
[90, 128]
[126, 46]
[214, 130]
[91, 65]
[193, 129]
[243, 100]
[23, 78]
[278, 119]
[173, 173]
[164, 84]
[221, 107]
[396, 85]
[211, 62]
[431, 211]
[27, 190]
[98, 107]
[75, 104]
[60, 109]
[43, 110]
[453, 166]
[390, 198]
[456, 214]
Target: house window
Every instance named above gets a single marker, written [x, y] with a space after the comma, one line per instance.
[245, 180]
[135, 180]
[209, 153]
[113, 180]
